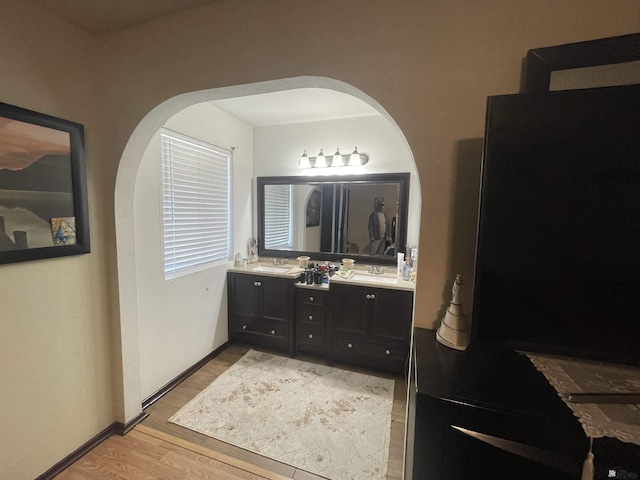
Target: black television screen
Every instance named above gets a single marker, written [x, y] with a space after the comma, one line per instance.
[558, 247]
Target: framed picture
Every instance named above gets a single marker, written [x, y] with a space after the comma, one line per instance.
[43, 186]
[621, 52]
[313, 209]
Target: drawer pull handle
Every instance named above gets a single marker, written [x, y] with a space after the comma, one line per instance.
[257, 284]
[387, 351]
[273, 332]
[368, 296]
[311, 335]
[310, 317]
[244, 327]
[350, 345]
[373, 296]
[311, 299]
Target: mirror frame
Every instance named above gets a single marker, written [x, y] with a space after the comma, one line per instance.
[402, 179]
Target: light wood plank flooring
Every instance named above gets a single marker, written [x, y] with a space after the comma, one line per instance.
[161, 450]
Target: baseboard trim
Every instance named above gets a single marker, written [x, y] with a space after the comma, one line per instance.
[154, 397]
[70, 459]
[124, 428]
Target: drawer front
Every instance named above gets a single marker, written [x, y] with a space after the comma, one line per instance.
[310, 314]
[310, 338]
[391, 356]
[307, 296]
[270, 333]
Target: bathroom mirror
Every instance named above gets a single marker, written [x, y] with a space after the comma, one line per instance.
[363, 217]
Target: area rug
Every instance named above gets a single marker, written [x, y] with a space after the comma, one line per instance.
[327, 421]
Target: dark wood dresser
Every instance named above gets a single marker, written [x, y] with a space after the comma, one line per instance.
[489, 414]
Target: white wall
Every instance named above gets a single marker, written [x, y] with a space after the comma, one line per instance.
[277, 149]
[184, 319]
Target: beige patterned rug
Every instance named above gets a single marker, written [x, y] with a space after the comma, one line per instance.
[330, 422]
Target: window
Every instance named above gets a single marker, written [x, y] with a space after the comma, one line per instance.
[196, 204]
[278, 219]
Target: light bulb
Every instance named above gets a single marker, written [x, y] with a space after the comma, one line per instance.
[321, 161]
[337, 158]
[354, 159]
[304, 161]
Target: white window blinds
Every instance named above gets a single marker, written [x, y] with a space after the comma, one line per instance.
[196, 199]
[278, 219]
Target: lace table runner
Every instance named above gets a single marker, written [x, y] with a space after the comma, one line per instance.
[566, 375]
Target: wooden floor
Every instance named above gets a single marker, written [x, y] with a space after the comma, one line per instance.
[157, 449]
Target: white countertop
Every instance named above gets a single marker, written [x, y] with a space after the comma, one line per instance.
[357, 276]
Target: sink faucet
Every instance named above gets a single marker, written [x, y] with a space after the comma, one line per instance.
[279, 261]
[377, 269]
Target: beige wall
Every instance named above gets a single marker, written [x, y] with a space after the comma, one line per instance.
[430, 64]
[56, 342]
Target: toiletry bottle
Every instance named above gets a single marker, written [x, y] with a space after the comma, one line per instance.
[406, 271]
[309, 273]
[238, 260]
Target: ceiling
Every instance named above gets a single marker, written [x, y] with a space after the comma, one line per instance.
[295, 106]
[99, 17]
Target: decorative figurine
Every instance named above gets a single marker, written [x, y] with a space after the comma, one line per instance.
[455, 290]
[453, 331]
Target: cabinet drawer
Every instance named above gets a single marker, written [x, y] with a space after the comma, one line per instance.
[275, 328]
[263, 332]
[310, 338]
[359, 349]
[311, 314]
[309, 297]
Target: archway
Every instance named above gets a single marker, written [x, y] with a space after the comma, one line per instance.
[124, 207]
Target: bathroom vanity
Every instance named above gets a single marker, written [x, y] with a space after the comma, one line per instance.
[363, 319]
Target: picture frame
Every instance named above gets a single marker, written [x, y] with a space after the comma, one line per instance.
[540, 63]
[43, 187]
[313, 208]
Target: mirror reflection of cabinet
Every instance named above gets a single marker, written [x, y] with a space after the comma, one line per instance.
[330, 215]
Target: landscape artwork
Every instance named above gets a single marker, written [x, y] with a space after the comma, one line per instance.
[35, 183]
[42, 198]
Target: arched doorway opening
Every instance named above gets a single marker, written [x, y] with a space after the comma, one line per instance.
[131, 283]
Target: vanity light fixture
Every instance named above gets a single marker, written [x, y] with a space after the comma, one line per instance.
[304, 161]
[321, 160]
[336, 160]
[355, 158]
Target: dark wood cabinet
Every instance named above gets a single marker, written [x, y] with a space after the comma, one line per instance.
[311, 307]
[261, 310]
[489, 414]
[370, 326]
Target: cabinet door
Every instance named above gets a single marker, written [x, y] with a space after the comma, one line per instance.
[349, 310]
[243, 296]
[390, 313]
[274, 298]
